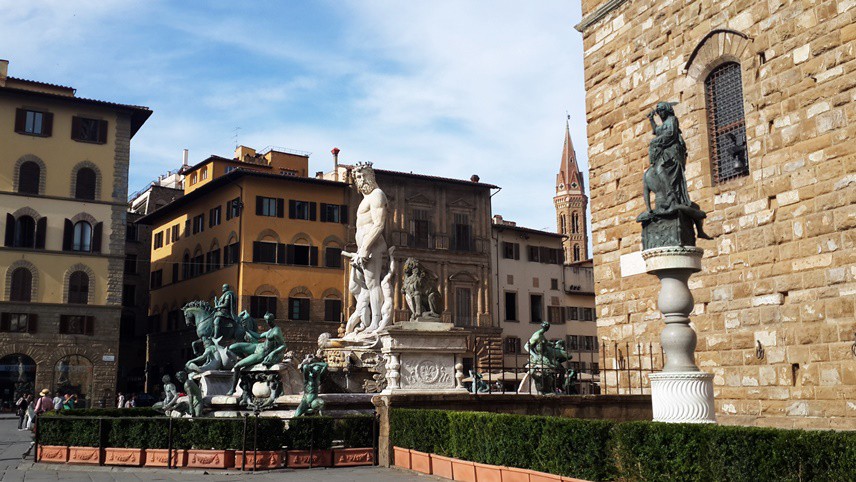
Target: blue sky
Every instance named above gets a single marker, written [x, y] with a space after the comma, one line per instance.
[448, 88]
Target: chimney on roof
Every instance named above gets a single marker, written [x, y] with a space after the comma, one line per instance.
[242, 151]
[4, 72]
[184, 156]
[335, 152]
[475, 178]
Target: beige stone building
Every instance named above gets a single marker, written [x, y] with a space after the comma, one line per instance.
[534, 284]
[766, 97]
[63, 189]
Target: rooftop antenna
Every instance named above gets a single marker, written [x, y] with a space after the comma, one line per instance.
[235, 135]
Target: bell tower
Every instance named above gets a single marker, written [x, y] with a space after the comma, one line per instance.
[571, 203]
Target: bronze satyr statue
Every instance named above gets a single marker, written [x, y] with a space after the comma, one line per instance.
[266, 348]
[671, 222]
[313, 369]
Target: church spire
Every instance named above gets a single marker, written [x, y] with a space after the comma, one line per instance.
[569, 179]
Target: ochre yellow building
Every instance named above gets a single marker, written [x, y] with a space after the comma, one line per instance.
[63, 192]
[259, 224]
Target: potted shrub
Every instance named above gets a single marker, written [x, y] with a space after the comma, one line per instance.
[442, 466]
[269, 439]
[513, 474]
[83, 438]
[157, 451]
[125, 440]
[53, 440]
[401, 457]
[356, 434]
[212, 443]
[463, 470]
[487, 473]
[310, 442]
[420, 462]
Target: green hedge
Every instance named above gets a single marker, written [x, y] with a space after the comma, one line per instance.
[355, 431]
[630, 451]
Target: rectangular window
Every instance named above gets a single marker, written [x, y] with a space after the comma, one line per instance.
[158, 240]
[233, 208]
[129, 295]
[34, 123]
[573, 342]
[175, 273]
[187, 224]
[554, 315]
[88, 130]
[260, 305]
[333, 257]
[536, 309]
[510, 250]
[595, 368]
[332, 310]
[131, 232]
[231, 254]
[421, 232]
[203, 174]
[463, 307]
[512, 345]
[554, 283]
[462, 233]
[302, 255]
[214, 216]
[198, 223]
[298, 309]
[301, 210]
[264, 252]
[534, 254]
[76, 324]
[156, 279]
[269, 206]
[130, 264]
[588, 343]
[332, 213]
[18, 323]
[510, 306]
[175, 233]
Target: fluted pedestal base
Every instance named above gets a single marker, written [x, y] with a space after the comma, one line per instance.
[682, 397]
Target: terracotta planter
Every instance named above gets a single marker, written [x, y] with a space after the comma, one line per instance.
[513, 474]
[123, 456]
[353, 457]
[300, 459]
[265, 459]
[488, 473]
[157, 458]
[543, 477]
[84, 455]
[420, 462]
[571, 479]
[57, 454]
[402, 457]
[211, 459]
[463, 470]
[442, 466]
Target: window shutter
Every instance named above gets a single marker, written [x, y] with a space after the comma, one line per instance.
[67, 234]
[89, 325]
[323, 212]
[256, 251]
[75, 127]
[280, 207]
[228, 210]
[102, 131]
[280, 253]
[313, 256]
[63, 324]
[289, 259]
[47, 124]
[41, 231]
[304, 309]
[32, 322]
[10, 229]
[4, 317]
[313, 207]
[292, 209]
[20, 120]
[343, 213]
[211, 218]
[259, 203]
[96, 237]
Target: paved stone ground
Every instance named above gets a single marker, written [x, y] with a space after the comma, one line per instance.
[14, 469]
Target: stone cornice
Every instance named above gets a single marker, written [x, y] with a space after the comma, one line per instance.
[598, 14]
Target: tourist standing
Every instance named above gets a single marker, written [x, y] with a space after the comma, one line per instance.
[22, 405]
[57, 402]
[121, 401]
[31, 413]
[44, 403]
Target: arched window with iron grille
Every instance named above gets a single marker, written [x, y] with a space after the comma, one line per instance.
[726, 122]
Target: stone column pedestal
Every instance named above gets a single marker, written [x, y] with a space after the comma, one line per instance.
[681, 393]
[423, 357]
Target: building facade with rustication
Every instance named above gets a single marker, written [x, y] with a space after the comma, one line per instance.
[766, 98]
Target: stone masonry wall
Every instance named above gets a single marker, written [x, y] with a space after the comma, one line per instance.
[782, 267]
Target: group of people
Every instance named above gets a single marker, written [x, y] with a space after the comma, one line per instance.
[123, 402]
[27, 409]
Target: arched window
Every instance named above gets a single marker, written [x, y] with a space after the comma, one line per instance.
[563, 225]
[82, 240]
[29, 176]
[85, 185]
[185, 267]
[25, 232]
[726, 123]
[576, 252]
[78, 288]
[575, 223]
[22, 285]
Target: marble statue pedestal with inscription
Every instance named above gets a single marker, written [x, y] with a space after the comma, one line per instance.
[681, 393]
[423, 356]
